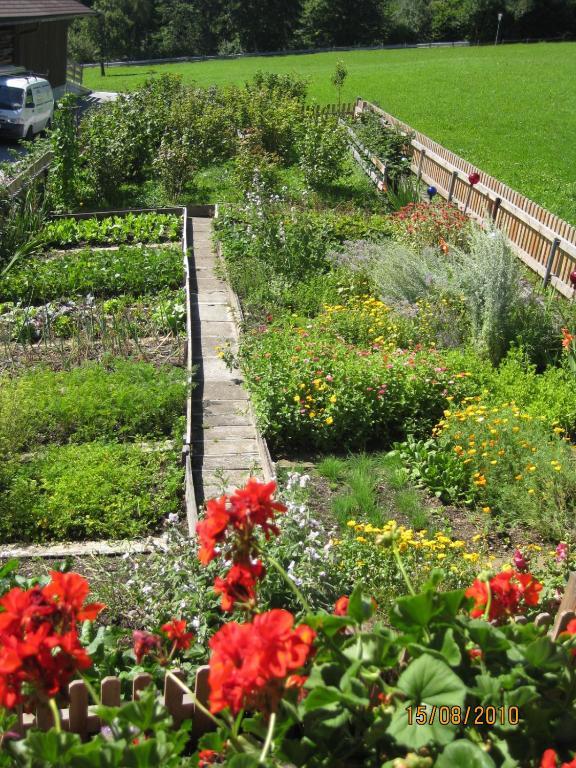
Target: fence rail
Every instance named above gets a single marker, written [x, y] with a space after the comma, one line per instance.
[545, 242]
[18, 183]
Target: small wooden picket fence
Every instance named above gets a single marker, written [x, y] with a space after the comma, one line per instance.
[79, 717]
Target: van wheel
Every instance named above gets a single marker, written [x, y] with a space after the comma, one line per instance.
[29, 134]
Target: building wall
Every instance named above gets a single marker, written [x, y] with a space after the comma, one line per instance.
[42, 48]
[6, 46]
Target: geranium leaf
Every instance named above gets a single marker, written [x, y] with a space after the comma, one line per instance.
[430, 683]
[464, 754]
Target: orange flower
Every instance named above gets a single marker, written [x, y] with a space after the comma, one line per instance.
[567, 338]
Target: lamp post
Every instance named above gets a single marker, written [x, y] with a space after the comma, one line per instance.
[498, 28]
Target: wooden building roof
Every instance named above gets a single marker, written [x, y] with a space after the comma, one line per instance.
[26, 11]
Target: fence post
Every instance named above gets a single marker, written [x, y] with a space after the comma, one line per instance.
[495, 208]
[78, 709]
[553, 249]
[420, 164]
[452, 185]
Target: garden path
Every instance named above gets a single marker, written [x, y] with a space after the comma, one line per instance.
[226, 445]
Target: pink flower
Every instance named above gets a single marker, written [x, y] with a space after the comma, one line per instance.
[561, 552]
[520, 562]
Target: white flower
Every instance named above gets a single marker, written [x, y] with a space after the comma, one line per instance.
[173, 517]
[304, 481]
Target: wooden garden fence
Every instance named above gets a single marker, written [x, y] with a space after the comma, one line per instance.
[543, 241]
[79, 716]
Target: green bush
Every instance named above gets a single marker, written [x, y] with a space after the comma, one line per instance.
[313, 390]
[387, 143]
[113, 230]
[322, 151]
[121, 400]
[516, 467]
[89, 491]
[128, 269]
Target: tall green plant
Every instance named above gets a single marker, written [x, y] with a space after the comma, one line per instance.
[63, 178]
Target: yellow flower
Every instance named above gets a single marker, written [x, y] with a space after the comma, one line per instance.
[531, 491]
[329, 420]
[477, 537]
[361, 539]
[296, 398]
[487, 510]
[518, 477]
[333, 398]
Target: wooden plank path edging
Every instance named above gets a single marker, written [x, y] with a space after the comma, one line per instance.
[222, 445]
[543, 241]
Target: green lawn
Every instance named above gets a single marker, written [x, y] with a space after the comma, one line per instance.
[510, 110]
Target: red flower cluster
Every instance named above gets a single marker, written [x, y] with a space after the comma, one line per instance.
[433, 222]
[570, 630]
[233, 520]
[341, 606]
[567, 338]
[149, 644]
[250, 663]
[507, 593]
[208, 757]
[550, 760]
[39, 645]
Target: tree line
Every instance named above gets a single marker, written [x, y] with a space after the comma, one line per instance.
[164, 28]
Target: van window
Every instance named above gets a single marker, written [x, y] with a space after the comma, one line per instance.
[11, 98]
[29, 98]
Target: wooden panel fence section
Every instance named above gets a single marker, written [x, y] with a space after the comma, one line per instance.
[22, 181]
[338, 110]
[74, 73]
[545, 242]
[79, 716]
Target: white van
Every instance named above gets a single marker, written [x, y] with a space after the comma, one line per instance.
[26, 106]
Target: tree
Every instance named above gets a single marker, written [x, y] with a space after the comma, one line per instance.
[338, 77]
[326, 23]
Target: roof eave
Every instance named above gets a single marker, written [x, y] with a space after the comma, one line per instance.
[19, 20]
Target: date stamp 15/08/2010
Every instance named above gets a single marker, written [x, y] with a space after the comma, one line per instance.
[430, 714]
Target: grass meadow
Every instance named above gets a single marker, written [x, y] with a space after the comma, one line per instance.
[510, 110]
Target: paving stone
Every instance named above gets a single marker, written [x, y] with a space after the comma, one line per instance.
[224, 431]
[224, 390]
[215, 369]
[223, 329]
[229, 447]
[216, 407]
[214, 313]
[239, 461]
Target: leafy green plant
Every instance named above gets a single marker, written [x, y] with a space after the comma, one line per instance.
[322, 151]
[128, 269]
[64, 168]
[119, 400]
[88, 491]
[113, 230]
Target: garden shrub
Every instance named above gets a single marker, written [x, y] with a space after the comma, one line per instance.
[128, 269]
[312, 389]
[431, 224]
[386, 142]
[322, 151]
[88, 491]
[119, 400]
[516, 467]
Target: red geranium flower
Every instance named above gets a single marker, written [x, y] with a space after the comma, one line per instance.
[175, 630]
[39, 644]
[550, 760]
[506, 592]
[341, 606]
[249, 663]
[212, 529]
[239, 585]
[208, 757]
